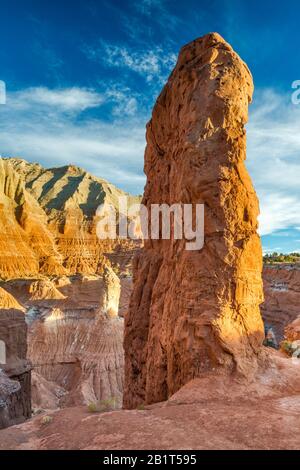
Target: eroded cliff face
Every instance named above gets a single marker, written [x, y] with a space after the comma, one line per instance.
[74, 337]
[48, 220]
[282, 296]
[292, 331]
[25, 241]
[15, 394]
[196, 311]
[55, 269]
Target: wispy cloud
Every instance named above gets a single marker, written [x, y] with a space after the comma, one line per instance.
[146, 6]
[53, 129]
[125, 101]
[273, 159]
[153, 64]
[158, 12]
[35, 125]
[63, 99]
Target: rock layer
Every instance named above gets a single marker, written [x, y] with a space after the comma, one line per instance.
[195, 311]
[75, 338]
[282, 296]
[15, 396]
[292, 331]
[48, 220]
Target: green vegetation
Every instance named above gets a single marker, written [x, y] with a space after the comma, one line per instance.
[281, 258]
[108, 404]
[92, 407]
[287, 347]
[46, 420]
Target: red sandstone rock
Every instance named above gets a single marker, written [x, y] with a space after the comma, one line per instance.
[48, 220]
[292, 331]
[211, 412]
[196, 311]
[7, 301]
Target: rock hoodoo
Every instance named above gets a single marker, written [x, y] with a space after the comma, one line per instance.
[192, 312]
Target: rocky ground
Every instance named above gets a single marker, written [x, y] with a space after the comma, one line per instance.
[212, 412]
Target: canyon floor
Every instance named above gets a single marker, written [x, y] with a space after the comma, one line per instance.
[212, 412]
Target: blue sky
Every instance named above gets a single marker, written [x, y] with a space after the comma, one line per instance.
[82, 78]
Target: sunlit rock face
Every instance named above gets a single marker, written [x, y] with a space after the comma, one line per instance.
[15, 395]
[56, 270]
[25, 241]
[48, 220]
[192, 312]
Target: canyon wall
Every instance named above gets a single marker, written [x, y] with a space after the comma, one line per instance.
[282, 296]
[74, 337]
[15, 396]
[192, 312]
[77, 343]
[48, 220]
[57, 272]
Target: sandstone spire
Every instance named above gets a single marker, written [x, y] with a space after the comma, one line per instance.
[192, 312]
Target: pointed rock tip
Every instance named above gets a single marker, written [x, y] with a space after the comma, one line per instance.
[206, 41]
[199, 45]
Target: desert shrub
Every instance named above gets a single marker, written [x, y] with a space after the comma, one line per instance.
[291, 348]
[92, 407]
[46, 420]
[109, 404]
[141, 407]
[286, 346]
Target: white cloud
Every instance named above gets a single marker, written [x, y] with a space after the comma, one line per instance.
[146, 6]
[64, 99]
[154, 64]
[159, 13]
[273, 159]
[125, 102]
[41, 131]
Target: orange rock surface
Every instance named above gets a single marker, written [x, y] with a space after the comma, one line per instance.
[292, 331]
[55, 269]
[196, 311]
[210, 412]
[48, 220]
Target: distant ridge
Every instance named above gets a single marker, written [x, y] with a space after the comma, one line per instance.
[48, 219]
